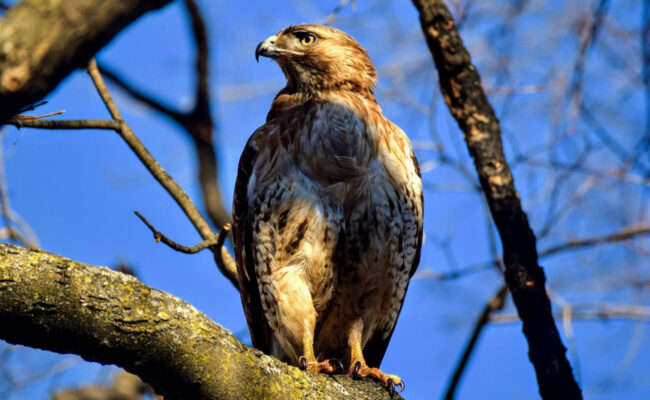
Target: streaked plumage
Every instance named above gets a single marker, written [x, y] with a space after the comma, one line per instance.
[327, 210]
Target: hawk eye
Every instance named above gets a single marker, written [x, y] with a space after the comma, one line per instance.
[306, 38]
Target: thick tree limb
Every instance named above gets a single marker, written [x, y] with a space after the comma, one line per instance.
[461, 88]
[41, 42]
[53, 303]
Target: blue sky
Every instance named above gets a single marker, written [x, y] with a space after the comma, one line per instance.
[78, 189]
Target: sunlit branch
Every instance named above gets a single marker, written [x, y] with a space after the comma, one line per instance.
[225, 262]
[159, 237]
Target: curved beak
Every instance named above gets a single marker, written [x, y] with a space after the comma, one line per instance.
[266, 48]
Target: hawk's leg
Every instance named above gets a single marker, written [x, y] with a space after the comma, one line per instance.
[296, 318]
[358, 366]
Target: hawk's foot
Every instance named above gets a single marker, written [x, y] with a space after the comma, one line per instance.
[331, 366]
[361, 370]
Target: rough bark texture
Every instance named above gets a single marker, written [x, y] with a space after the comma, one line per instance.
[461, 88]
[53, 303]
[41, 42]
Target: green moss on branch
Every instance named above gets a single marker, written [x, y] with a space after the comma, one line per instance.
[53, 303]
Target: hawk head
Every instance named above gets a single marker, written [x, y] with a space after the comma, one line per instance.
[316, 58]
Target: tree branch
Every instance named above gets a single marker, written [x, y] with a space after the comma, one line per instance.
[625, 234]
[591, 312]
[41, 42]
[461, 88]
[223, 259]
[53, 303]
[210, 242]
[65, 124]
[228, 269]
[173, 188]
[496, 303]
[197, 122]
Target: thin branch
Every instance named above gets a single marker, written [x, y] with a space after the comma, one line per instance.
[141, 96]
[224, 260]
[496, 303]
[159, 237]
[644, 144]
[100, 85]
[591, 312]
[173, 188]
[587, 40]
[9, 232]
[576, 244]
[26, 117]
[197, 122]
[201, 126]
[430, 273]
[337, 10]
[12, 234]
[199, 30]
[182, 199]
[66, 124]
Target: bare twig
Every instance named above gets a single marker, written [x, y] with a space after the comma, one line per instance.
[67, 124]
[173, 188]
[140, 96]
[197, 122]
[8, 216]
[626, 234]
[12, 234]
[429, 273]
[587, 40]
[339, 7]
[496, 303]
[179, 195]
[576, 244]
[159, 237]
[27, 117]
[643, 145]
[224, 260]
[591, 312]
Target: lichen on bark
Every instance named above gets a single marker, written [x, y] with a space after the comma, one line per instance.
[54, 303]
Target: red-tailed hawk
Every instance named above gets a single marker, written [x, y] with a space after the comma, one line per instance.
[327, 211]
